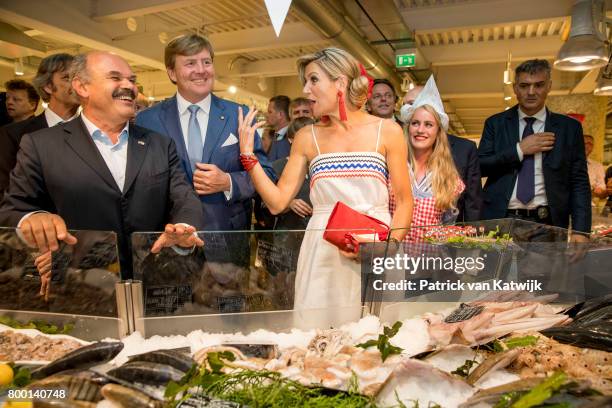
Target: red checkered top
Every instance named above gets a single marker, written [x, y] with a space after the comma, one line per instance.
[424, 212]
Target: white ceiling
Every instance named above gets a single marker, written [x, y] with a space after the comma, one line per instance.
[465, 43]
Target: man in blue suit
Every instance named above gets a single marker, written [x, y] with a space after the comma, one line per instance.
[534, 159]
[205, 130]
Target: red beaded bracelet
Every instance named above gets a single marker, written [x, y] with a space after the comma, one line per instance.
[248, 161]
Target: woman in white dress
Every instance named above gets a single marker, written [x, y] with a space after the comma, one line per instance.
[350, 156]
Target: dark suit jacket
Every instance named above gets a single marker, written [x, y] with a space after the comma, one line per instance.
[290, 220]
[60, 170]
[465, 156]
[10, 137]
[279, 149]
[219, 214]
[566, 178]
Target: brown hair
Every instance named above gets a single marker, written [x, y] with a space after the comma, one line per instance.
[48, 66]
[336, 62]
[21, 85]
[281, 104]
[190, 44]
[298, 123]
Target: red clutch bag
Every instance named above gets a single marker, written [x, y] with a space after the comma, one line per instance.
[344, 222]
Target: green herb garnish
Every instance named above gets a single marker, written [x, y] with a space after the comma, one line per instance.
[542, 391]
[39, 325]
[264, 389]
[383, 344]
[464, 370]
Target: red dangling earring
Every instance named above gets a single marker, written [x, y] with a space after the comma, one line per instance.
[342, 107]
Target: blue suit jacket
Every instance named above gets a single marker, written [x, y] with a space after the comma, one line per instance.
[566, 179]
[220, 214]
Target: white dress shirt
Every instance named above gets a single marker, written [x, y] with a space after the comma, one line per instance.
[540, 191]
[202, 115]
[114, 155]
[280, 133]
[53, 118]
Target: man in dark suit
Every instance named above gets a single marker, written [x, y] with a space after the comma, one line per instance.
[21, 100]
[205, 130]
[98, 172]
[52, 82]
[534, 159]
[465, 156]
[278, 119]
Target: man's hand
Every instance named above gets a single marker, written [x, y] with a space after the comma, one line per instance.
[177, 234]
[538, 142]
[43, 230]
[577, 247]
[43, 263]
[300, 207]
[208, 179]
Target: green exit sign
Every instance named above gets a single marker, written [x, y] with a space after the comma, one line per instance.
[405, 60]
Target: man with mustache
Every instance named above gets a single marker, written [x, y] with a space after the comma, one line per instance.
[205, 130]
[99, 172]
[52, 82]
[534, 159]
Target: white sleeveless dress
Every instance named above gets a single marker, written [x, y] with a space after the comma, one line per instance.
[325, 278]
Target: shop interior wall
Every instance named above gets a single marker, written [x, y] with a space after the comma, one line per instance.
[594, 109]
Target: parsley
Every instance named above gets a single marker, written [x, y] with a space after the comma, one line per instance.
[383, 344]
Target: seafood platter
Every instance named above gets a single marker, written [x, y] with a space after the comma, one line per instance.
[153, 343]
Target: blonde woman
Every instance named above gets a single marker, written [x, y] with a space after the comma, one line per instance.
[436, 184]
[349, 156]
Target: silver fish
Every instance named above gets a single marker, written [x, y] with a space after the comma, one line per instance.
[147, 373]
[262, 350]
[492, 363]
[81, 389]
[172, 358]
[84, 357]
[64, 403]
[128, 397]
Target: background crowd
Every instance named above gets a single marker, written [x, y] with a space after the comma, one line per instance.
[93, 160]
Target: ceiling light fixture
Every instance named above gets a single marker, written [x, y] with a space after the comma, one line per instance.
[508, 71]
[507, 92]
[19, 71]
[262, 84]
[587, 46]
[604, 82]
[232, 89]
[131, 24]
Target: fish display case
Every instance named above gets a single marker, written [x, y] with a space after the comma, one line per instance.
[597, 279]
[238, 281]
[228, 307]
[78, 295]
[469, 261]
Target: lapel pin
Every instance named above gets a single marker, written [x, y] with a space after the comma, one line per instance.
[140, 142]
[222, 117]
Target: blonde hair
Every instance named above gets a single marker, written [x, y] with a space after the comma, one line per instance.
[442, 166]
[336, 62]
